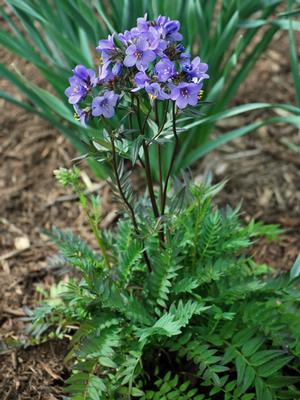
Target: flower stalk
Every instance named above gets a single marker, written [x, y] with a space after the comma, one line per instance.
[175, 151]
[141, 71]
[129, 207]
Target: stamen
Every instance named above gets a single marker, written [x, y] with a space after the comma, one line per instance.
[152, 97]
[138, 55]
[200, 95]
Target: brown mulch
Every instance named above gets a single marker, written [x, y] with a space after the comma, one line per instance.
[263, 170]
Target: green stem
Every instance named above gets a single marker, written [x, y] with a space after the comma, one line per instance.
[99, 241]
[93, 225]
[125, 200]
[162, 125]
[147, 161]
[160, 176]
[176, 146]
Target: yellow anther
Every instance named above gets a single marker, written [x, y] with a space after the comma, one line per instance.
[138, 55]
[152, 97]
[200, 95]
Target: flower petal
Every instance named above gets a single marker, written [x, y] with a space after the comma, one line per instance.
[129, 61]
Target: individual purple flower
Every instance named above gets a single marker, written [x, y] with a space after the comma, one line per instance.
[185, 94]
[142, 24]
[106, 44]
[86, 75]
[155, 91]
[105, 105]
[139, 54]
[160, 22]
[141, 78]
[184, 59]
[156, 43]
[82, 115]
[172, 31]
[77, 90]
[125, 37]
[105, 73]
[165, 69]
[80, 84]
[106, 47]
[196, 70]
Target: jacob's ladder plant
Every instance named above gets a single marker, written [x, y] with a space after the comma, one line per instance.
[171, 306]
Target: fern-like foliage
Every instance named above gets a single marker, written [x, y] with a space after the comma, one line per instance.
[127, 250]
[205, 323]
[169, 387]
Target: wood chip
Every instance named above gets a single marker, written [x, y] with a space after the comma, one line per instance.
[16, 313]
[50, 372]
[11, 254]
[22, 243]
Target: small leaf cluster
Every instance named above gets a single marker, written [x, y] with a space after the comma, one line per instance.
[206, 322]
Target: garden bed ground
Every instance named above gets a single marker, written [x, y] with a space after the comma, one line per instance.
[263, 169]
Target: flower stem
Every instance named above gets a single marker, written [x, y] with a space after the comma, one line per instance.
[99, 241]
[160, 176]
[125, 200]
[93, 224]
[172, 159]
[147, 162]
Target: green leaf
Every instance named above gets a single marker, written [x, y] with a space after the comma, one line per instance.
[262, 391]
[248, 380]
[252, 346]
[135, 392]
[240, 364]
[295, 271]
[273, 366]
[261, 357]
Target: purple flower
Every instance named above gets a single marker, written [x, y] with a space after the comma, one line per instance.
[156, 43]
[165, 69]
[168, 28]
[149, 56]
[161, 20]
[80, 84]
[106, 44]
[196, 70]
[171, 29]
[155, 91]
[105, 74]
[77, 90]
[141, 78]
[184, 59]
[185, 93]
[82, 115]
[125, 37]
[105, 104]
[142, 24]
[86, 75]
[106, 47]
[139, 54]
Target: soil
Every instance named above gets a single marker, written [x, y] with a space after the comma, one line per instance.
[263, 169]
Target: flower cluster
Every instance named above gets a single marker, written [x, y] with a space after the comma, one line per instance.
[149, 57]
